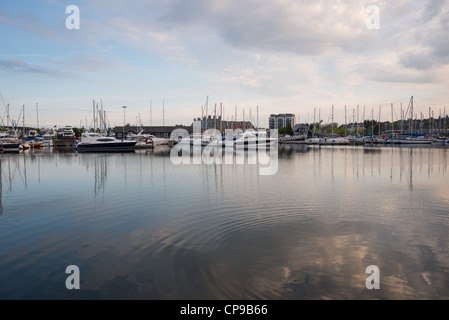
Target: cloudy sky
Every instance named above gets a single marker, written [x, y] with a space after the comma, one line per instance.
[281, 55]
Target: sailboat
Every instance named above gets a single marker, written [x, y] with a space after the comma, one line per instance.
[8, 140]
[411, 139]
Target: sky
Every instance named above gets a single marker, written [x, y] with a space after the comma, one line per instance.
[164, 59]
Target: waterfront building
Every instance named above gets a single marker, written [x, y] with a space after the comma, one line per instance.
[277, 121]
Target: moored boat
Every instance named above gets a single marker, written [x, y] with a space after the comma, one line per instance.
[91, 141]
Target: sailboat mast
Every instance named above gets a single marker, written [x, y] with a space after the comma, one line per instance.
[411, 119]
[7, 117]
[420, 125]
[319, 121]
[23, 130]
[346, 124]
[257, 117]
[37, 115]
[207, 114]
[380, 112]
[430, 123]
[445, 125]
[235, 117]
[215, 116]
[221, 117]
[93, 110]
[332, 122]
[392, 120]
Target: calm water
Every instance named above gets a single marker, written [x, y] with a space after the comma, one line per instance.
[140, 227]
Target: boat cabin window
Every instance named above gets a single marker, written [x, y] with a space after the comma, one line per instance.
[105, 139]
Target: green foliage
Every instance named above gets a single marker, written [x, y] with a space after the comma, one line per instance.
[78, 131]
[286, 130]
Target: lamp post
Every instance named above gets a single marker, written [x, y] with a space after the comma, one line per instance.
[124, 121]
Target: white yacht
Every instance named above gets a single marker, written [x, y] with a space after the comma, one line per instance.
[91, 141]
[251, 138]
[9, 143]
[142, 136]
[413, 140]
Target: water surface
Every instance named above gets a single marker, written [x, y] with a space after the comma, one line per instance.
[140, 227]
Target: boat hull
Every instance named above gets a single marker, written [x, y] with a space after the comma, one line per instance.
[114, 146]
[415, 141]
[9, 147]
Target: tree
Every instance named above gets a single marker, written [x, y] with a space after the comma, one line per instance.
[281, 130]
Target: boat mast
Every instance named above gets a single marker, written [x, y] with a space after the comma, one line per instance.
[257, 117]
[420, 125]
[37, 116]
[445, 126]
[93, 110]
[207, 111]
[430, 123]
[332, 122]
[215, 116]
[433, 124]
[346, 124]
[353, 121]
[221, 117]
[380, 112]
[392, 121]
[23, 130]
[319, 120]
[411, 118]
[7, 117]
[314, 122]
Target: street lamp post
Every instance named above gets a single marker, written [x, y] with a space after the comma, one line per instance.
[124, 121]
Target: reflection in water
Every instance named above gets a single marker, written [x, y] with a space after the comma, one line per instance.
[139, 226]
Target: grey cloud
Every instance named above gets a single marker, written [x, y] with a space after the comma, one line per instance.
[29, 22]
[23, 67]
[433, 9]
[299, 27]
[428, 40]
[388, 76]
[418, 61]
[89, 63]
